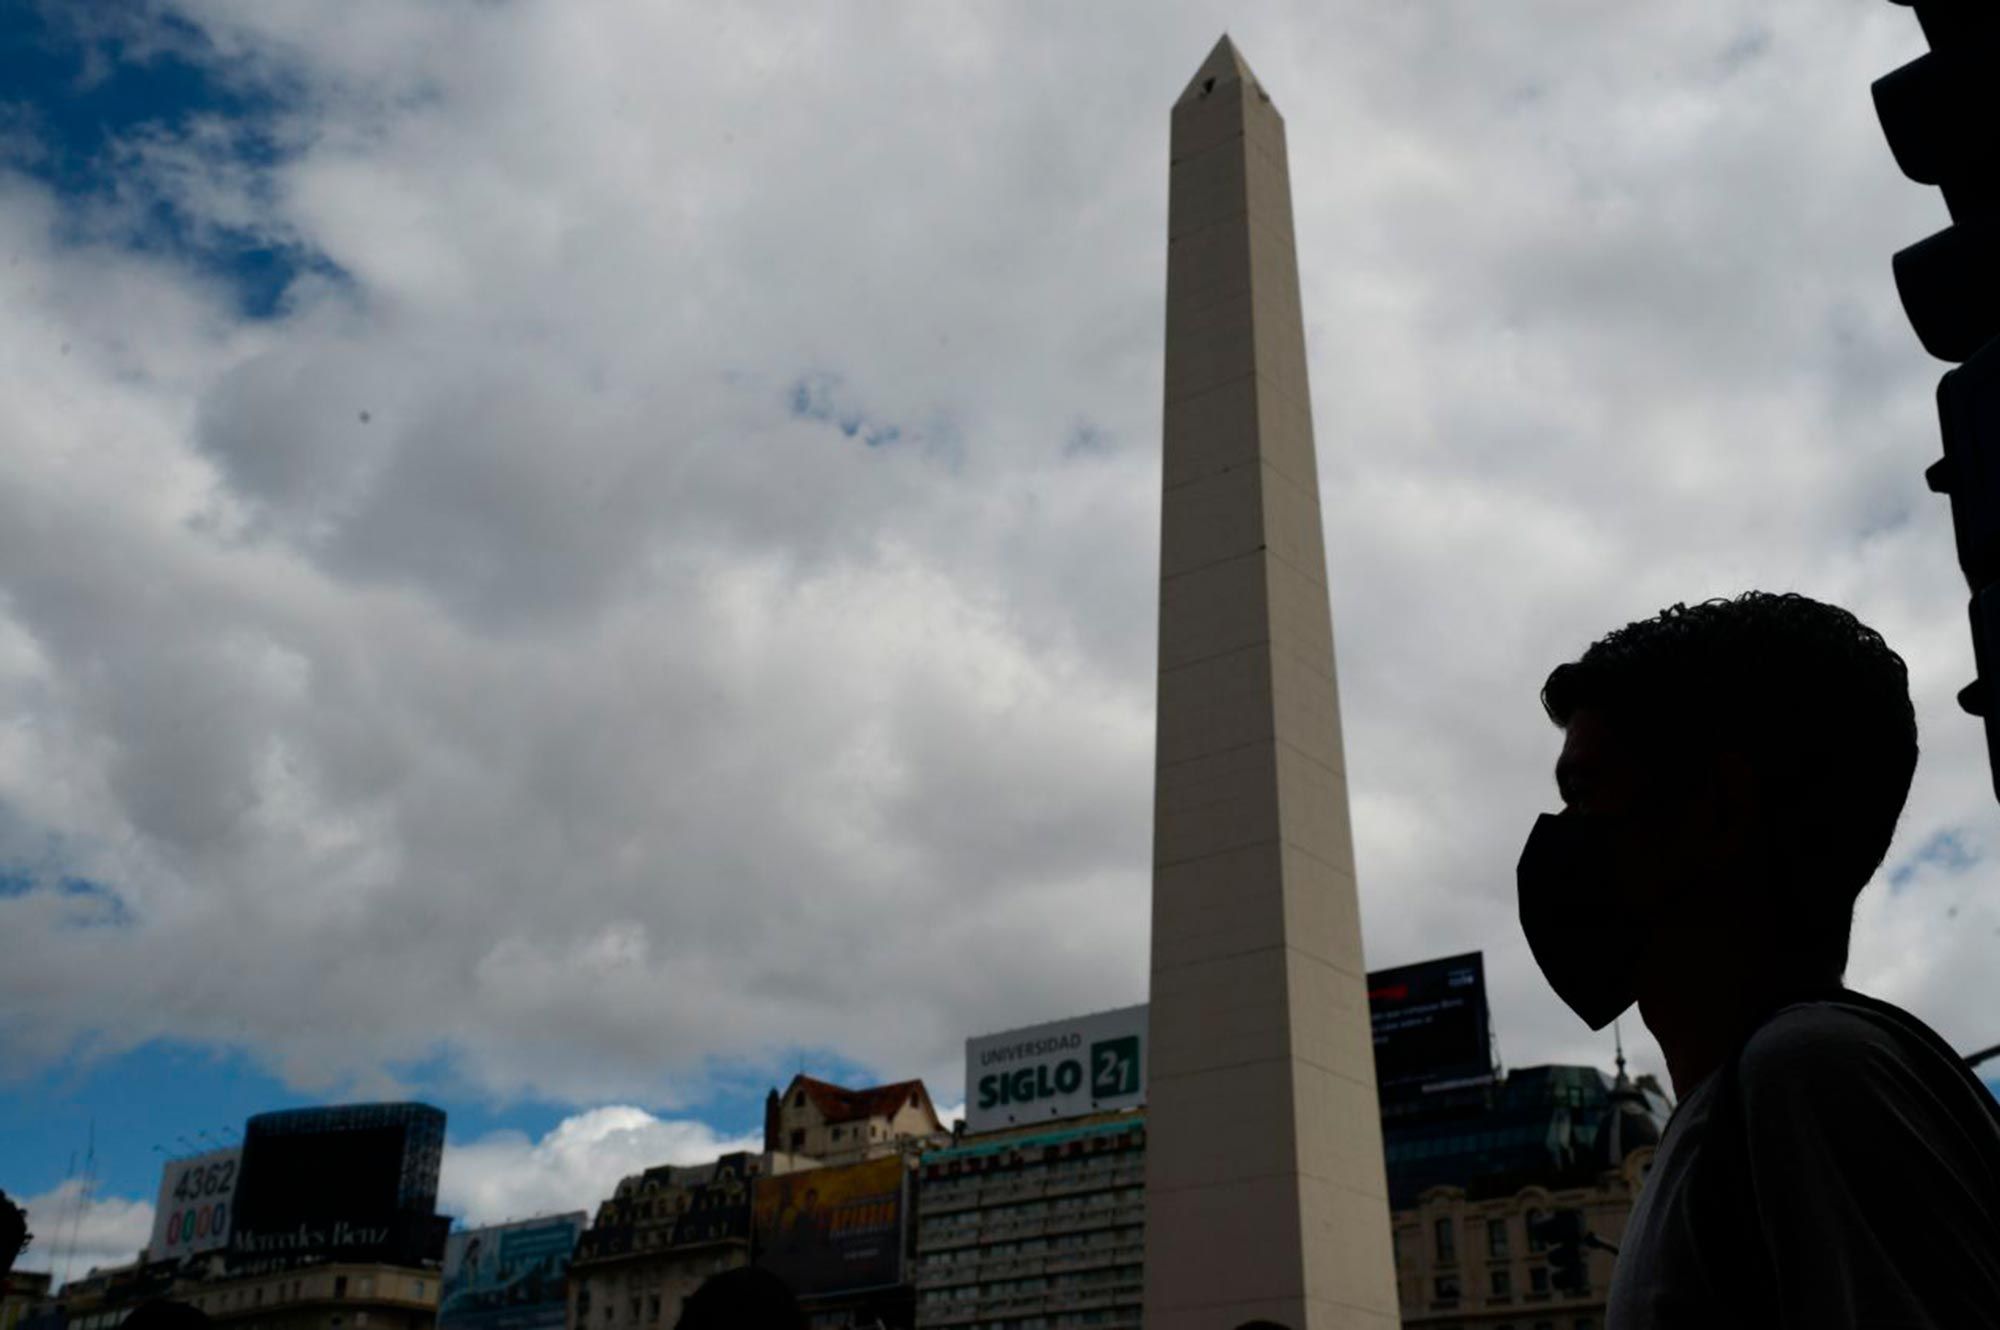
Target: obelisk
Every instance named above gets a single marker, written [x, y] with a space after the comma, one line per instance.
[1265, 1188]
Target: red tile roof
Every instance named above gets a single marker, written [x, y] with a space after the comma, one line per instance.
[837, 1103]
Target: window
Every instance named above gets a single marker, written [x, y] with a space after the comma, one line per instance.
[1447, 1250]
[257, 1296]
[1446, 1287]
[1535, 1242]
[423, 1290]
[653, 1308]
[798, 1139]
[368, 1286]
[1538, 1281]
[799, 1099]
[1496, 1238]
[340, 1286]
[1503, 1284]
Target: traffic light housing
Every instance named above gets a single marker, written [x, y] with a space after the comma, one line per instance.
[1942, 120]
[1562, 1233]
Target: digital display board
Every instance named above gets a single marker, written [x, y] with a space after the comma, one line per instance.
[197, 1198]
[353, 1182]
[1430, 1024]
[509, 1276]
[832, 1230]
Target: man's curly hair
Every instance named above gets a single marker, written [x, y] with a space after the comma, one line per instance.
[1813, 699]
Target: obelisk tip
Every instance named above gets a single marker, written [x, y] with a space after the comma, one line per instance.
[1224, 66]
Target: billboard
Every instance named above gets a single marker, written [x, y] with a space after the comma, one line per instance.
[831, 1230]
[509, 1276]
[354, 1182]
[1430, 1024]
[1059, 1070]
[197, 1200]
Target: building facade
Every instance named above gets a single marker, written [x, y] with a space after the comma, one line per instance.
[335, 1296]
[830, 1124]
[1468, 1173]
[22, 1294]
[666, 1230]
[1475, 1262]
[1039, 1227]
[659, 1236]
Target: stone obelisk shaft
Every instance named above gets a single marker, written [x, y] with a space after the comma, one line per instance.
[1266, 1194]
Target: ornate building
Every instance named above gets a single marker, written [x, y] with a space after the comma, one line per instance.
[1466, 1178]
[666, 1230]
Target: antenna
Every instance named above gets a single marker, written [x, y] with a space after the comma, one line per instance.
[82, 1198]
[62, 1213]
[1618, 1043]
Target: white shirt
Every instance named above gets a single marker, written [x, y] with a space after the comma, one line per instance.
[1854, 1183]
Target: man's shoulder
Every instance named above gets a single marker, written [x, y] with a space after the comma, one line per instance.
[1810, 1038]
[1829, 1058]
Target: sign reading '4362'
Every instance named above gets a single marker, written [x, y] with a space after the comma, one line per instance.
[197, 1201]
[1059, 1070]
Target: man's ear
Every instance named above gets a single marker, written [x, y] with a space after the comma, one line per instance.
[1737, 803]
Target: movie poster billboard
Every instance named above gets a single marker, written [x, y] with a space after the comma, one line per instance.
[197, 1198]
[832, 1230]
[1430, 1024]
[509, 1276]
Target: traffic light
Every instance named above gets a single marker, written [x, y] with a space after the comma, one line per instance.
[1562, 1233]
[1942, 120]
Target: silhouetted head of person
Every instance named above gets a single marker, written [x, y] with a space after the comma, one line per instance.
[747, 1298]
[1740, 765]
[167, 1314]
[14, 1235]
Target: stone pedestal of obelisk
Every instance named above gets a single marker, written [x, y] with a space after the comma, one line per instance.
[1265, 1188]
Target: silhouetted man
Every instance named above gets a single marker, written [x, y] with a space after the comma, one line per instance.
[1731, 774]
[14, 1235]
[746, 1298]
[167, 1314]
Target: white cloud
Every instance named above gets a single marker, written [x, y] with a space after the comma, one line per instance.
[505, 1175]
[75, 1232]
[599, 714]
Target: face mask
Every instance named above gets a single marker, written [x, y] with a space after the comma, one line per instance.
[1578, 924]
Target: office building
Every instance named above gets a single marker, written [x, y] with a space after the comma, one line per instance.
[1038, 1226]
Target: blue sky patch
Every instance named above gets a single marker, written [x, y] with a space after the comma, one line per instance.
[79, 94]
[823, 397]
[172, 1097]
[1946, 850]
[94, 904]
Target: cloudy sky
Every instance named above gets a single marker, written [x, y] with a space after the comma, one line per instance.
[574, 558]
